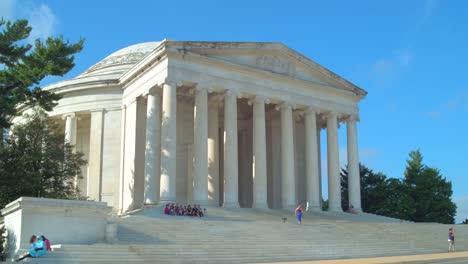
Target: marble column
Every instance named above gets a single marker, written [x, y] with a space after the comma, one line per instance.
[168, 142]
[133, 174]
[95, 154]
[153, 147]
[333, 161]
[200, 157]
[354, 183]
[231, 170]
[288, 188]
[319, 156]
[259, 154]
[70, 128]
[121, 187]
[213, 152]
[70, 138]
[312, 159]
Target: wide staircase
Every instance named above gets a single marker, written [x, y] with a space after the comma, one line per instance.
[255, 236]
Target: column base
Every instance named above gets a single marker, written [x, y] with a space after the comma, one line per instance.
[355, 211]
[168, 200]
[150, 203]
[336, 209]
[315, 208]
[260, 206]
[213, 203]
[204, 203]
[290, 206]
[231, 205]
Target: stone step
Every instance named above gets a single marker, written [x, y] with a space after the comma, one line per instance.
[246, 236]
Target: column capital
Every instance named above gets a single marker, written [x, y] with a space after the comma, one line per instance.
[352, 118]
[201, 88]
[284, 105]
[330, 114]
[231, 92]
[215, 98]
[64, 116]
[313, 110]
[259, 99]
[298, 116]
[155, 90]
[171, 82]
[206, 85]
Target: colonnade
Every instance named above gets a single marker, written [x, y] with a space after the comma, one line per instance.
[161, 146]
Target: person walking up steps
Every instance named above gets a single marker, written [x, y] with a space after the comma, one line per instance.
[451, 240]
[298, 212]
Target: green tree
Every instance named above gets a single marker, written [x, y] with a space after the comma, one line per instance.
[36, 162]
[24, 66]
[394, 200]
[371, 182]
[430, 192]
[379, 194]
[465, 222]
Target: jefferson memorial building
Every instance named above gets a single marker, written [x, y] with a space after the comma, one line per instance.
[233, 124]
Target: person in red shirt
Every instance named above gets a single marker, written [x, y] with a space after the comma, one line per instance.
[298, 212]
[166, 209]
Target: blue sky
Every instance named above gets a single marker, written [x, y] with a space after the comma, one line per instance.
[409, 55]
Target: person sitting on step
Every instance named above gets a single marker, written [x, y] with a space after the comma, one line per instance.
[194, 210]
[189, 211]
[167, 210]
[200, 211]
[177, 210]
[38, 248]
[172, 209]
[351, 209]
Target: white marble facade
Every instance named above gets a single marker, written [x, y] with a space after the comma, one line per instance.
[217, 123]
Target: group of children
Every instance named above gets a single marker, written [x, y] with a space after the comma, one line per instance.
[184, 210]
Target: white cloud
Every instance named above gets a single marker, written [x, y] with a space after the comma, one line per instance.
[40, 17]
[462, 209]
[457, 102]
[404, 57]
[367, 156]
[384, 69]
[389, 66]
[428, 9]
[43, 21]
[433, 114]
[7, 9]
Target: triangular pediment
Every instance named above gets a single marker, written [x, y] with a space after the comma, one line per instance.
[270, 57]
[272, 63]
[274, 58]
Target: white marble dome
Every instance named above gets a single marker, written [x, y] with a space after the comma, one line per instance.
[121, 60]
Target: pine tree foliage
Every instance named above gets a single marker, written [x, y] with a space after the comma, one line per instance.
[423, 195]
[24, 66]
[36, 162]
[430, 192]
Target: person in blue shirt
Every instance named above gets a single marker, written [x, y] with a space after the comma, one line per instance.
[38, 248]
[451, 240]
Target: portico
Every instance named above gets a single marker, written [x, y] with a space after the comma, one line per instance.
[215, 123]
